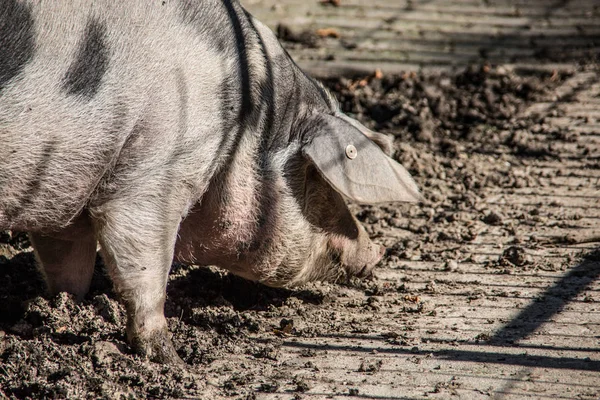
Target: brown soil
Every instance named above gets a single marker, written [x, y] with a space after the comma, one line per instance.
[488, 288]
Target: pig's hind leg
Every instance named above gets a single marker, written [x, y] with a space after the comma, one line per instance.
[137, 235]
[67, 257]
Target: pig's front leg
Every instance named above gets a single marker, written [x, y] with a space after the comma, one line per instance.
[137, 236]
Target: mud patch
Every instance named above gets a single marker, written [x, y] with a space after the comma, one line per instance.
[467, 142]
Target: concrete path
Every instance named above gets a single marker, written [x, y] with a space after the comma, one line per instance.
[488, 333]
[399, 35]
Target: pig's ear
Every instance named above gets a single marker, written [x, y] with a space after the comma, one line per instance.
[354, 165]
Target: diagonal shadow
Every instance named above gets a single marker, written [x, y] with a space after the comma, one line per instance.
[552, 301]
[485, 357]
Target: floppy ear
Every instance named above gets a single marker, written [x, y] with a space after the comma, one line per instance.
[355, 166]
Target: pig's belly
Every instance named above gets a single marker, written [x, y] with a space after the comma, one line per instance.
[44, 187]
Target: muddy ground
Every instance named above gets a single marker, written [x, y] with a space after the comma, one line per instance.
[488, 289]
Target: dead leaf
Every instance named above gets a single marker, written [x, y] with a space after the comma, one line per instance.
[413, 298]
[328, 33]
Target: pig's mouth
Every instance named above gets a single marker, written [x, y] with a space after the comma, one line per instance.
[366, 272]
[362, 270]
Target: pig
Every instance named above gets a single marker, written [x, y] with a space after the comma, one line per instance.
[166, 130]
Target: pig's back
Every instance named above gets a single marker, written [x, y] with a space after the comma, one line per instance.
[78, 77]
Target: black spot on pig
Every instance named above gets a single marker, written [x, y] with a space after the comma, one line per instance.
[16, 39]
[85, 73]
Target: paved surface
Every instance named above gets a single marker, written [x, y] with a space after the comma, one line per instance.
[396, 35]
[524, 334]
[484, 332]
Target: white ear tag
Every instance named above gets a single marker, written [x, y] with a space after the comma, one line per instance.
[351, 152]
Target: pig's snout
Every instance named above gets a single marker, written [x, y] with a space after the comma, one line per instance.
[365, 270]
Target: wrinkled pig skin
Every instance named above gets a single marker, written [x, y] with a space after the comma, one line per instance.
[177, 130]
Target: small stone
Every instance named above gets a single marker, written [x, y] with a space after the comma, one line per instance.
[302, 386]
[493, 218]
[450, 265]
[104, 352]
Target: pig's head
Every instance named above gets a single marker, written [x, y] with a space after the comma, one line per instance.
[338, 159]
[285, 221]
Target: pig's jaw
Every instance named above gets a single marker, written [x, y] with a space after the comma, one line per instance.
[306, 263]
[319, 260]
[292, 254]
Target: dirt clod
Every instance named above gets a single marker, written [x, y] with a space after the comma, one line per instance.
[516, 255]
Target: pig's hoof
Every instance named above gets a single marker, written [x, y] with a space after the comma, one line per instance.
[158, 348]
